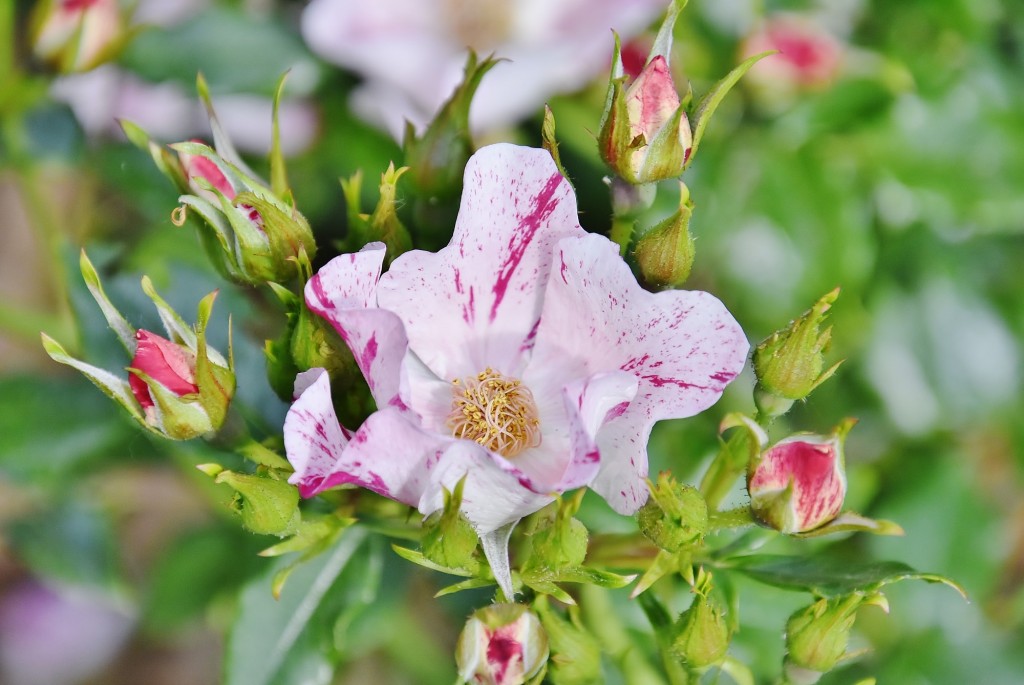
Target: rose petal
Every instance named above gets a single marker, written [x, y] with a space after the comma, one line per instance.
[476, 303]
[163, 361]
[344, 293]
[313, 439]
[684, 347]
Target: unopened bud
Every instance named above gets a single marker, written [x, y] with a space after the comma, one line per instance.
[665, 253]
[503, 644]
[790, 363]
[701, 634]
[816, 636]
[675, 516]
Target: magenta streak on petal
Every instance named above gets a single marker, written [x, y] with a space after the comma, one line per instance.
[368, 355]
[616, 411]
[636, 363]
[370, 481]
[544, 204]
[723, 377]
[530, 337]
[323, 299]
[563, 269]
[661, 381]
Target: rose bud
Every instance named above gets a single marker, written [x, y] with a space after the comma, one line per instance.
[790, 363]
[177, 386]
[799, 483]
[503, 644]
[78, 35]
[645, 135]
[808, 58]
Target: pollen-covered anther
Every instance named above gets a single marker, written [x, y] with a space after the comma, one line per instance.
[495, 411]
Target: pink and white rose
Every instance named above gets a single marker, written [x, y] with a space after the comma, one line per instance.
[522, 357]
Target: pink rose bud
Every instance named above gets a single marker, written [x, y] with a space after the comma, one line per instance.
[166, 363]
[503, 644]
[645, 135]
[77, 35]
[200, 167]
[178, 387]
[799, 484]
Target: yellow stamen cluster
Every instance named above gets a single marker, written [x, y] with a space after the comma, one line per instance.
[495, 411]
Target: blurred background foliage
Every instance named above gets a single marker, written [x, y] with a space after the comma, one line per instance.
[901, 182]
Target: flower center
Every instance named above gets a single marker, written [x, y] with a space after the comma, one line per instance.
[481, 26]
[495, 411]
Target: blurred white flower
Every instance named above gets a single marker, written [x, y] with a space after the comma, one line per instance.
[412, 52]
[167, 111]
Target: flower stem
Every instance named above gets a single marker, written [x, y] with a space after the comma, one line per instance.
[731, 518]
[661, 622]
[597, 609]
[727, 466]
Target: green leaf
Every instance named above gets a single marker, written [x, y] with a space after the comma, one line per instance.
[194, 570]
[32, 452]
[275, 641]
[832, 577]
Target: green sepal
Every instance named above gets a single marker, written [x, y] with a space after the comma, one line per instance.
[420, 559]
[384, 223]
[790, 362]
[448, 538]
[713, 98]
[278, 174]
[125, 331]
[178, 417]
[852, 522]
[471, 584]
[675, 516]
[264, 456]
[221, 142]
[166, 162]
[177, 330]
[663, 41]
[313, 541]
[556, 539]
[267, 506]
[114, 387]
[437, 159]
[666, 155]
[215, 379]
[662, 565]
[358, 223]
[549, 142]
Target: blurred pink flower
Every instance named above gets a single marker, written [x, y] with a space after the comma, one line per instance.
[809, 56]
[57, 635]
[522, 357]
[412, 52]
[78, 34]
